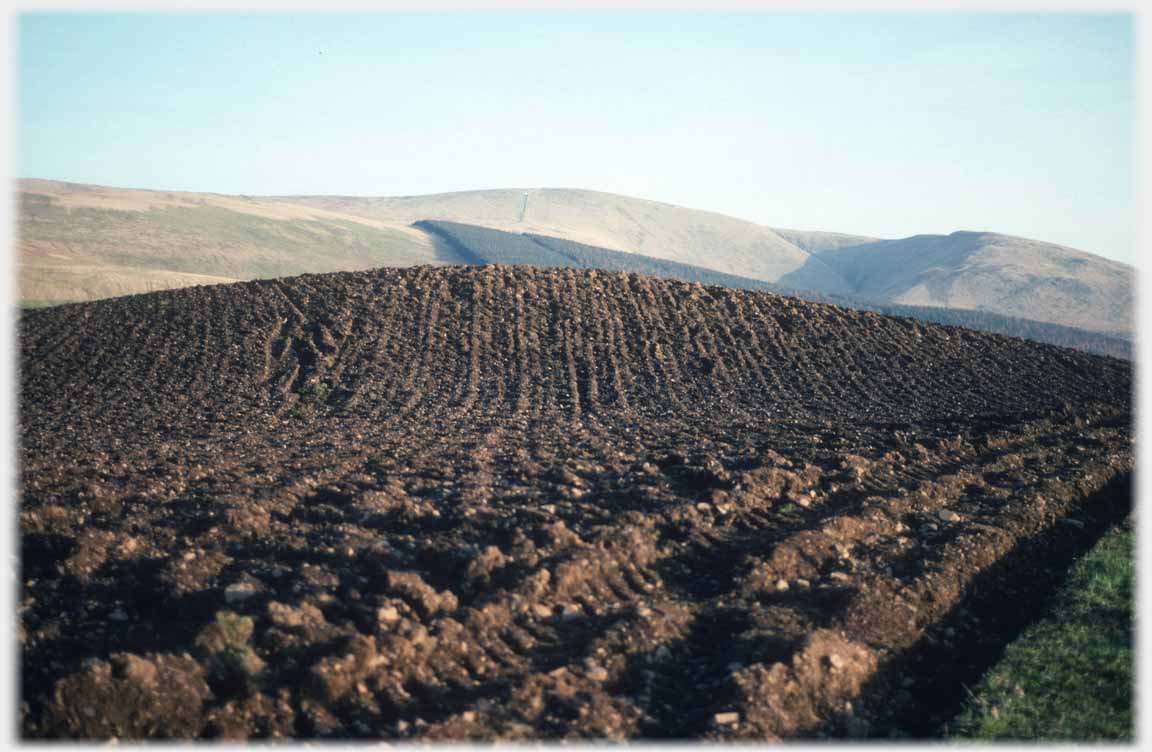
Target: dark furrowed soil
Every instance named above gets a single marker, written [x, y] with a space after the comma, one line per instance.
[478, 503]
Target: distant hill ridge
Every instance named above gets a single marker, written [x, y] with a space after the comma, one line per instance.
[80, 242]
[991, 271]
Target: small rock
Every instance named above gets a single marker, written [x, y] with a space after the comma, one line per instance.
[571, 611]
[541, 611]
[947, 515]
[781, 585]
[802, 583]
[835, 661]
[468, 716]
[419, 595]
[387, 614]
[726, 719]
[839, 576]
[190, 556]
[283, 615]
[118, 615]
[1072, 523]
[598, 674]
[240, 591]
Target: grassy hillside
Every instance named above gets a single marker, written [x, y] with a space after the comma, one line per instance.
[817, 242]
[605, 220]
[992, 272]
[487, 246]
[77, 245]
[965, 270]
[79, 242]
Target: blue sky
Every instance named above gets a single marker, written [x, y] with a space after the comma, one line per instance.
[886, 124]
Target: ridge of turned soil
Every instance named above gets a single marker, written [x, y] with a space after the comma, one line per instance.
[502, 502]
[562, 343]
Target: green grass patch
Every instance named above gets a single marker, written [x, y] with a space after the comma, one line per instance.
[1070, 675]
[213, 240]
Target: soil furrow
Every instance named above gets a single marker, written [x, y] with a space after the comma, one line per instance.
[511, 503]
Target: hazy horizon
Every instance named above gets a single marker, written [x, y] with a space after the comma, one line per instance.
[882, 124]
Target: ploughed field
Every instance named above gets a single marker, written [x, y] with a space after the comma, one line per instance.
[503, 502]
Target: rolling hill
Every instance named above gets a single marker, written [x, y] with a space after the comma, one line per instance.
[965, 270]
[510, 503]
[607, 220]
[991, 272]
[83, 242]
[78, 242]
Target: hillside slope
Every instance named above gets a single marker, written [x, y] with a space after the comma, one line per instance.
[965, 270]
[83, 242]
[79, 242]
[992, 272]
[607, 220]
[480, 503]
[482, 245]
[817, 242]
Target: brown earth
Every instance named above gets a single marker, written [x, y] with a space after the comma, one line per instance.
[493, 502]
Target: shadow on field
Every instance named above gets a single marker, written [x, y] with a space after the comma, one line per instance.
[926, 688]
